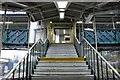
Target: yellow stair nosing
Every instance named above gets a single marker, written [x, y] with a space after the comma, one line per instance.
[61, 59]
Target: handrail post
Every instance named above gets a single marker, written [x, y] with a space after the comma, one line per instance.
[23, 68]
[94, 59]
[98, 75]
[19, 71]
[101, 68]
[27, 67]
[30, 70]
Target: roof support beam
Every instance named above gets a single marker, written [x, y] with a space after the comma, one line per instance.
[40, 11]
[90, 16]
[75, 10]
[23, 5]
[45, 11]
[34, 6]
[50, 18]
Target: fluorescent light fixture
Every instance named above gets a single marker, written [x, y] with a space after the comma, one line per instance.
[90, 22]
[61, 9]
[79, 21]
[64, 31]
[88, 29]
[117, 22]
[62, 14]
[62, 4]
[51, 22]
[6, 22]
[11, 12]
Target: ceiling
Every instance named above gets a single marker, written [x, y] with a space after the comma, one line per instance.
[104, 11]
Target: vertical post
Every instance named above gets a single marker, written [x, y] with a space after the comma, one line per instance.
[0, 40]
[79, 34]
[94, 28]
[82, 44]
[29, 19]
[0, 30]
[23, 69]
[27, 70]
[113, 23]
[2, 27]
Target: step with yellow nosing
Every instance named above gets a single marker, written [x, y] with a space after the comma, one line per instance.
[79, 59]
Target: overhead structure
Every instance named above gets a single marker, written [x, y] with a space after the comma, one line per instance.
[65, 10]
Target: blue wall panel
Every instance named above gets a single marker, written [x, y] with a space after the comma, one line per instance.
[104, 36]
[15, 36]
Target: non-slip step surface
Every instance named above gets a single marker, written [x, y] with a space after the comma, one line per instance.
[61, 59]
[61, 70]
[62, 73]
[61, 64]
[84, 68]
[62, 77]
[62, 55]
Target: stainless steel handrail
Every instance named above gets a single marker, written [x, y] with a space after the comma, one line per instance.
[24, 58]
[109, 65]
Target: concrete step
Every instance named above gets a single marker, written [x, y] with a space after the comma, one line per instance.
[50, 64]
[62, 70]
[62, 73]
[61, 55]
[62, 77]
[62, 67]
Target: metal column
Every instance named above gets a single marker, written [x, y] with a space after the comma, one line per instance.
[29, 20]
[0, 30]
[82, 43]
[94, 28]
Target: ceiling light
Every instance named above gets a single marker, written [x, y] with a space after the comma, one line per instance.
[6, 22]
[88, 29]
[62, 14]
[11, 12]
[62, 4]
[79, 21]
[61, 9]
[90, 22]
[117, 22]
[51, 22]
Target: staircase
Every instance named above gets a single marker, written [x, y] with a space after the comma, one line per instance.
[62, 63]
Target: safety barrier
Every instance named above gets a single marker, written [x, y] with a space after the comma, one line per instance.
[99, 66]
[25, 67]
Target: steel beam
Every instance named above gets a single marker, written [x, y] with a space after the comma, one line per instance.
[58, 0]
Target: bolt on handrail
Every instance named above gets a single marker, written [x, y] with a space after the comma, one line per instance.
[28, 62]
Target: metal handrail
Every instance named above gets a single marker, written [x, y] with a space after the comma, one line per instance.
[21, 60]
[77, 46]
[103, 59]
[26, 58]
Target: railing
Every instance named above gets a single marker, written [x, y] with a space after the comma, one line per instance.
[77, 46]
[25, 67]
[99, 66]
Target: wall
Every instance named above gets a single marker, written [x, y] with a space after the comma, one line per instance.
[37, 31]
